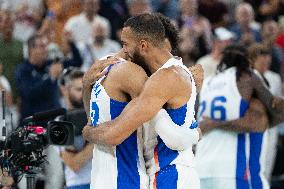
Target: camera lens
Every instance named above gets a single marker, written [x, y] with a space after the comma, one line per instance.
[58, 135]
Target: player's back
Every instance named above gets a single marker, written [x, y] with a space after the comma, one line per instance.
[121, 166]
[222, 153]
[168, 164]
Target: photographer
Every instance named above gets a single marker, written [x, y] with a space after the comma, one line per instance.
[76, 158]
[36, 79]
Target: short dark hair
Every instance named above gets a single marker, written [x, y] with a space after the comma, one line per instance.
[258, 49]
[171, 31]
[147, 26]
[32, 40]
[235, 55]
[69, 74]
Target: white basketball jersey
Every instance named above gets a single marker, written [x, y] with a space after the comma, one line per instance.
[122, 166]
[163, 158]
[222, 153]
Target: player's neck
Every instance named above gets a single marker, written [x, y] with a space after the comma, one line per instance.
[158, 58]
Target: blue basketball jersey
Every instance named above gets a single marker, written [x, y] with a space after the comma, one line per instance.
[220, 153]
[122, 166]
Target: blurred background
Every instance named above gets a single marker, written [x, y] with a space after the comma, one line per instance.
[39, 39]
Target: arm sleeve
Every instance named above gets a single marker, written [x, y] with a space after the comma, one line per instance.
[174, 136]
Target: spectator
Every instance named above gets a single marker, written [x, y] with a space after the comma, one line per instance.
[218, 18]
[101, 45]
[195, 30]
[11, 52]
[231, 5]
[261, 59]
[80, 26]
[168, 8]
[269, 33]
[77, 158]
[28, 16]
[209, 63]
[36, 79]
[280, 36]
[58, 12]
[265, 9]
[243, 29]
[116, 12]
[136, 7]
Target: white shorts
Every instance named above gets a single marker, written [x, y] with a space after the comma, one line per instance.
[175, 177]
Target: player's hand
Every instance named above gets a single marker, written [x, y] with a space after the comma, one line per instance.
[208, 124]
[198, 75]
[277, 102]
[86, 133]
[97, 70]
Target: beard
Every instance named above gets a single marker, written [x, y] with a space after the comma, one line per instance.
[138, 59]
[76, 103]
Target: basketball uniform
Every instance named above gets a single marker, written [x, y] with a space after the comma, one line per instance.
[222, 156]
[121, 166]
[169, 168]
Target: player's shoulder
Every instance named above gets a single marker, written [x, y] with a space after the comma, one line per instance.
[170, 77]
[172, 73]
[127, 70]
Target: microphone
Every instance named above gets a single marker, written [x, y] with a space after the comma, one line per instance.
[3, 115]
[46, 115]
[50, 114]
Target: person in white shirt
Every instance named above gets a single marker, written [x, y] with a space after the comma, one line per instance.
[99, 46]
[28, 14]
[209, 63]
[80, 26]
[261, 60]
[77, 158]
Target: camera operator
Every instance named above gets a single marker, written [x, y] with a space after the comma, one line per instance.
[36, 79]
[77, 159]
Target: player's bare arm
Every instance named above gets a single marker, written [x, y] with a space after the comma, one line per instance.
[274, 105]
[255, 120]
[140, 110]
[128, 78]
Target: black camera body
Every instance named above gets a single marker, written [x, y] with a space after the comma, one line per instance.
[22, 151]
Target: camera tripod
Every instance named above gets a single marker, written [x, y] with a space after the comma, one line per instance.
[31, 180]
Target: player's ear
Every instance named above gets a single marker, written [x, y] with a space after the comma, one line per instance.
[143, 44]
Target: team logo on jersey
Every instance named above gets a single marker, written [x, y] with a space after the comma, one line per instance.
[97, 89]
[193, 125]
[94, 114]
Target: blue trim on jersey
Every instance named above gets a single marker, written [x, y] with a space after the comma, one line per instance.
[167, 178]
[243, 107]
[178, 115]
[254, 159]
[165, 154]
[241, 167]
[108, 69]
[126, 153]
[194, 125]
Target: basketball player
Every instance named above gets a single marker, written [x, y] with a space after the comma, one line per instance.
[171, 86]
[109, 96]
[222, 155]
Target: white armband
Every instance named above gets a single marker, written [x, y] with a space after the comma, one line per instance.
[174, 136]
